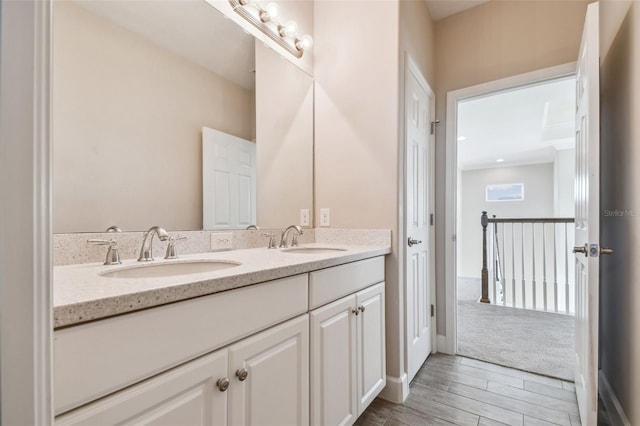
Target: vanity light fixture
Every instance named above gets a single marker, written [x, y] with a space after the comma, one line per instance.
[265, 18]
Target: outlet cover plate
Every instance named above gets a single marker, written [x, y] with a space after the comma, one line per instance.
[325, 217]
[304, 217]
[221, 241]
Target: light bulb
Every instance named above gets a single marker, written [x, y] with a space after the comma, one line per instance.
[272, 10]
[304, 42]
[288, 30]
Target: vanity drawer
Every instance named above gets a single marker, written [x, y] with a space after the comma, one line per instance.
[331, 284]
[95, 359]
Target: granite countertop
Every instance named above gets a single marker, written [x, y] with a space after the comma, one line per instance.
[81, 294]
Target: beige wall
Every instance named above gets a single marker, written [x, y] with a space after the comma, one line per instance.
[356, 128]
[538, 202]
[358, 71]
[619, 177]
[489, 42]
[417, 38]
[284, 110]
[127, 119]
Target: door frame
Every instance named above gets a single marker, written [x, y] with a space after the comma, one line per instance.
[26, 324]
[451, 179]
[410, 67]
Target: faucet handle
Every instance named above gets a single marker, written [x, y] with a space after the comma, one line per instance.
[272, 241]
[113, 256]
[171, 247]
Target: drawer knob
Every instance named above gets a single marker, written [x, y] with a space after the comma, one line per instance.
[242, 374]
[223, 384]
[361, 307]
[355, 311]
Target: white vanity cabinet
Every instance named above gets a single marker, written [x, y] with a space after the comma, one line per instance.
[238, 385]
[270, 377]
[305, 349]
[188, 394]
[348, 365]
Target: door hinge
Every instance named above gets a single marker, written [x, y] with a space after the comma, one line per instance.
[433, 310]
[433, 126]
[431, 219]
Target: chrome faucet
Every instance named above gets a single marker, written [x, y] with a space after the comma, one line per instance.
[294, 239]
[146, 252]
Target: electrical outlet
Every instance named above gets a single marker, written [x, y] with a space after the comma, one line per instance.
[304, 217]
[221, 241]
[325, 217]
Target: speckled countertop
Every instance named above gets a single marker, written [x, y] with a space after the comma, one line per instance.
[81, 294]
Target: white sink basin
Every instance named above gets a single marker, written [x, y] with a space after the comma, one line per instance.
[313, 250]
[158, 270]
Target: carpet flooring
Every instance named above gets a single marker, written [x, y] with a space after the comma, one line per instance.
[539, 342]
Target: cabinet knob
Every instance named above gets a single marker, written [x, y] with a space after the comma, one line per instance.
[361, 307]
[242, 374]
[355, 311]
[223, 384]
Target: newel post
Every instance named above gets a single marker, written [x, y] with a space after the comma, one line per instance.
[484, 221]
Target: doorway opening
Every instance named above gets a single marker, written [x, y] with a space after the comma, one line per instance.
[515, 172]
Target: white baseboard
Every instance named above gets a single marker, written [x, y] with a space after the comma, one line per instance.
[442, 345]
[397, 389]
[611, 403]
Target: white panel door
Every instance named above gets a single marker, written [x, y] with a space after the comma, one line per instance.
[418, 111]
[370, 348]
[187, 395]
[275, 390]
[587, 223]
[333, 364]
[228, 181]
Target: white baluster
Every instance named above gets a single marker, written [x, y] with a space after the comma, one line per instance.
[524, 292]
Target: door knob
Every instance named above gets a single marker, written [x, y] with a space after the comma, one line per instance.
[413, 242]
[223, 384]
[606, 250]
[242, 374]
[361, 308]
[355, 311]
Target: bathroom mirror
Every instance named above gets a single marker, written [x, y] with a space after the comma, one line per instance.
[135, 83]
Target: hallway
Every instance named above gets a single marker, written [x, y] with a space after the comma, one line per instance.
[536, 341]
[453, 390]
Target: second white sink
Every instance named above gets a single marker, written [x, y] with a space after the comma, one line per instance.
[157, 270]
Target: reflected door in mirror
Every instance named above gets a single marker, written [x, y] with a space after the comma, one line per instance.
[228, 180]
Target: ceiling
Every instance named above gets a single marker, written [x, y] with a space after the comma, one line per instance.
[526, 125]
[442, 8]
[190, 28]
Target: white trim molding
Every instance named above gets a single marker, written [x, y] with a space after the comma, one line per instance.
[442, 344]
[396, 390]
[451, 184]
[611, 403]
[25, 222]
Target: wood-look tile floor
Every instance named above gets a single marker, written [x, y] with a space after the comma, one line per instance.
[462, 391]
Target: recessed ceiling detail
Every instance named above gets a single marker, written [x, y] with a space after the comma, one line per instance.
[526, 125]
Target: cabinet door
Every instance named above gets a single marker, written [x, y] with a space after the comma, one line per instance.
[275, 390]
[333, 364]
[371, 376]
[186, 395]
